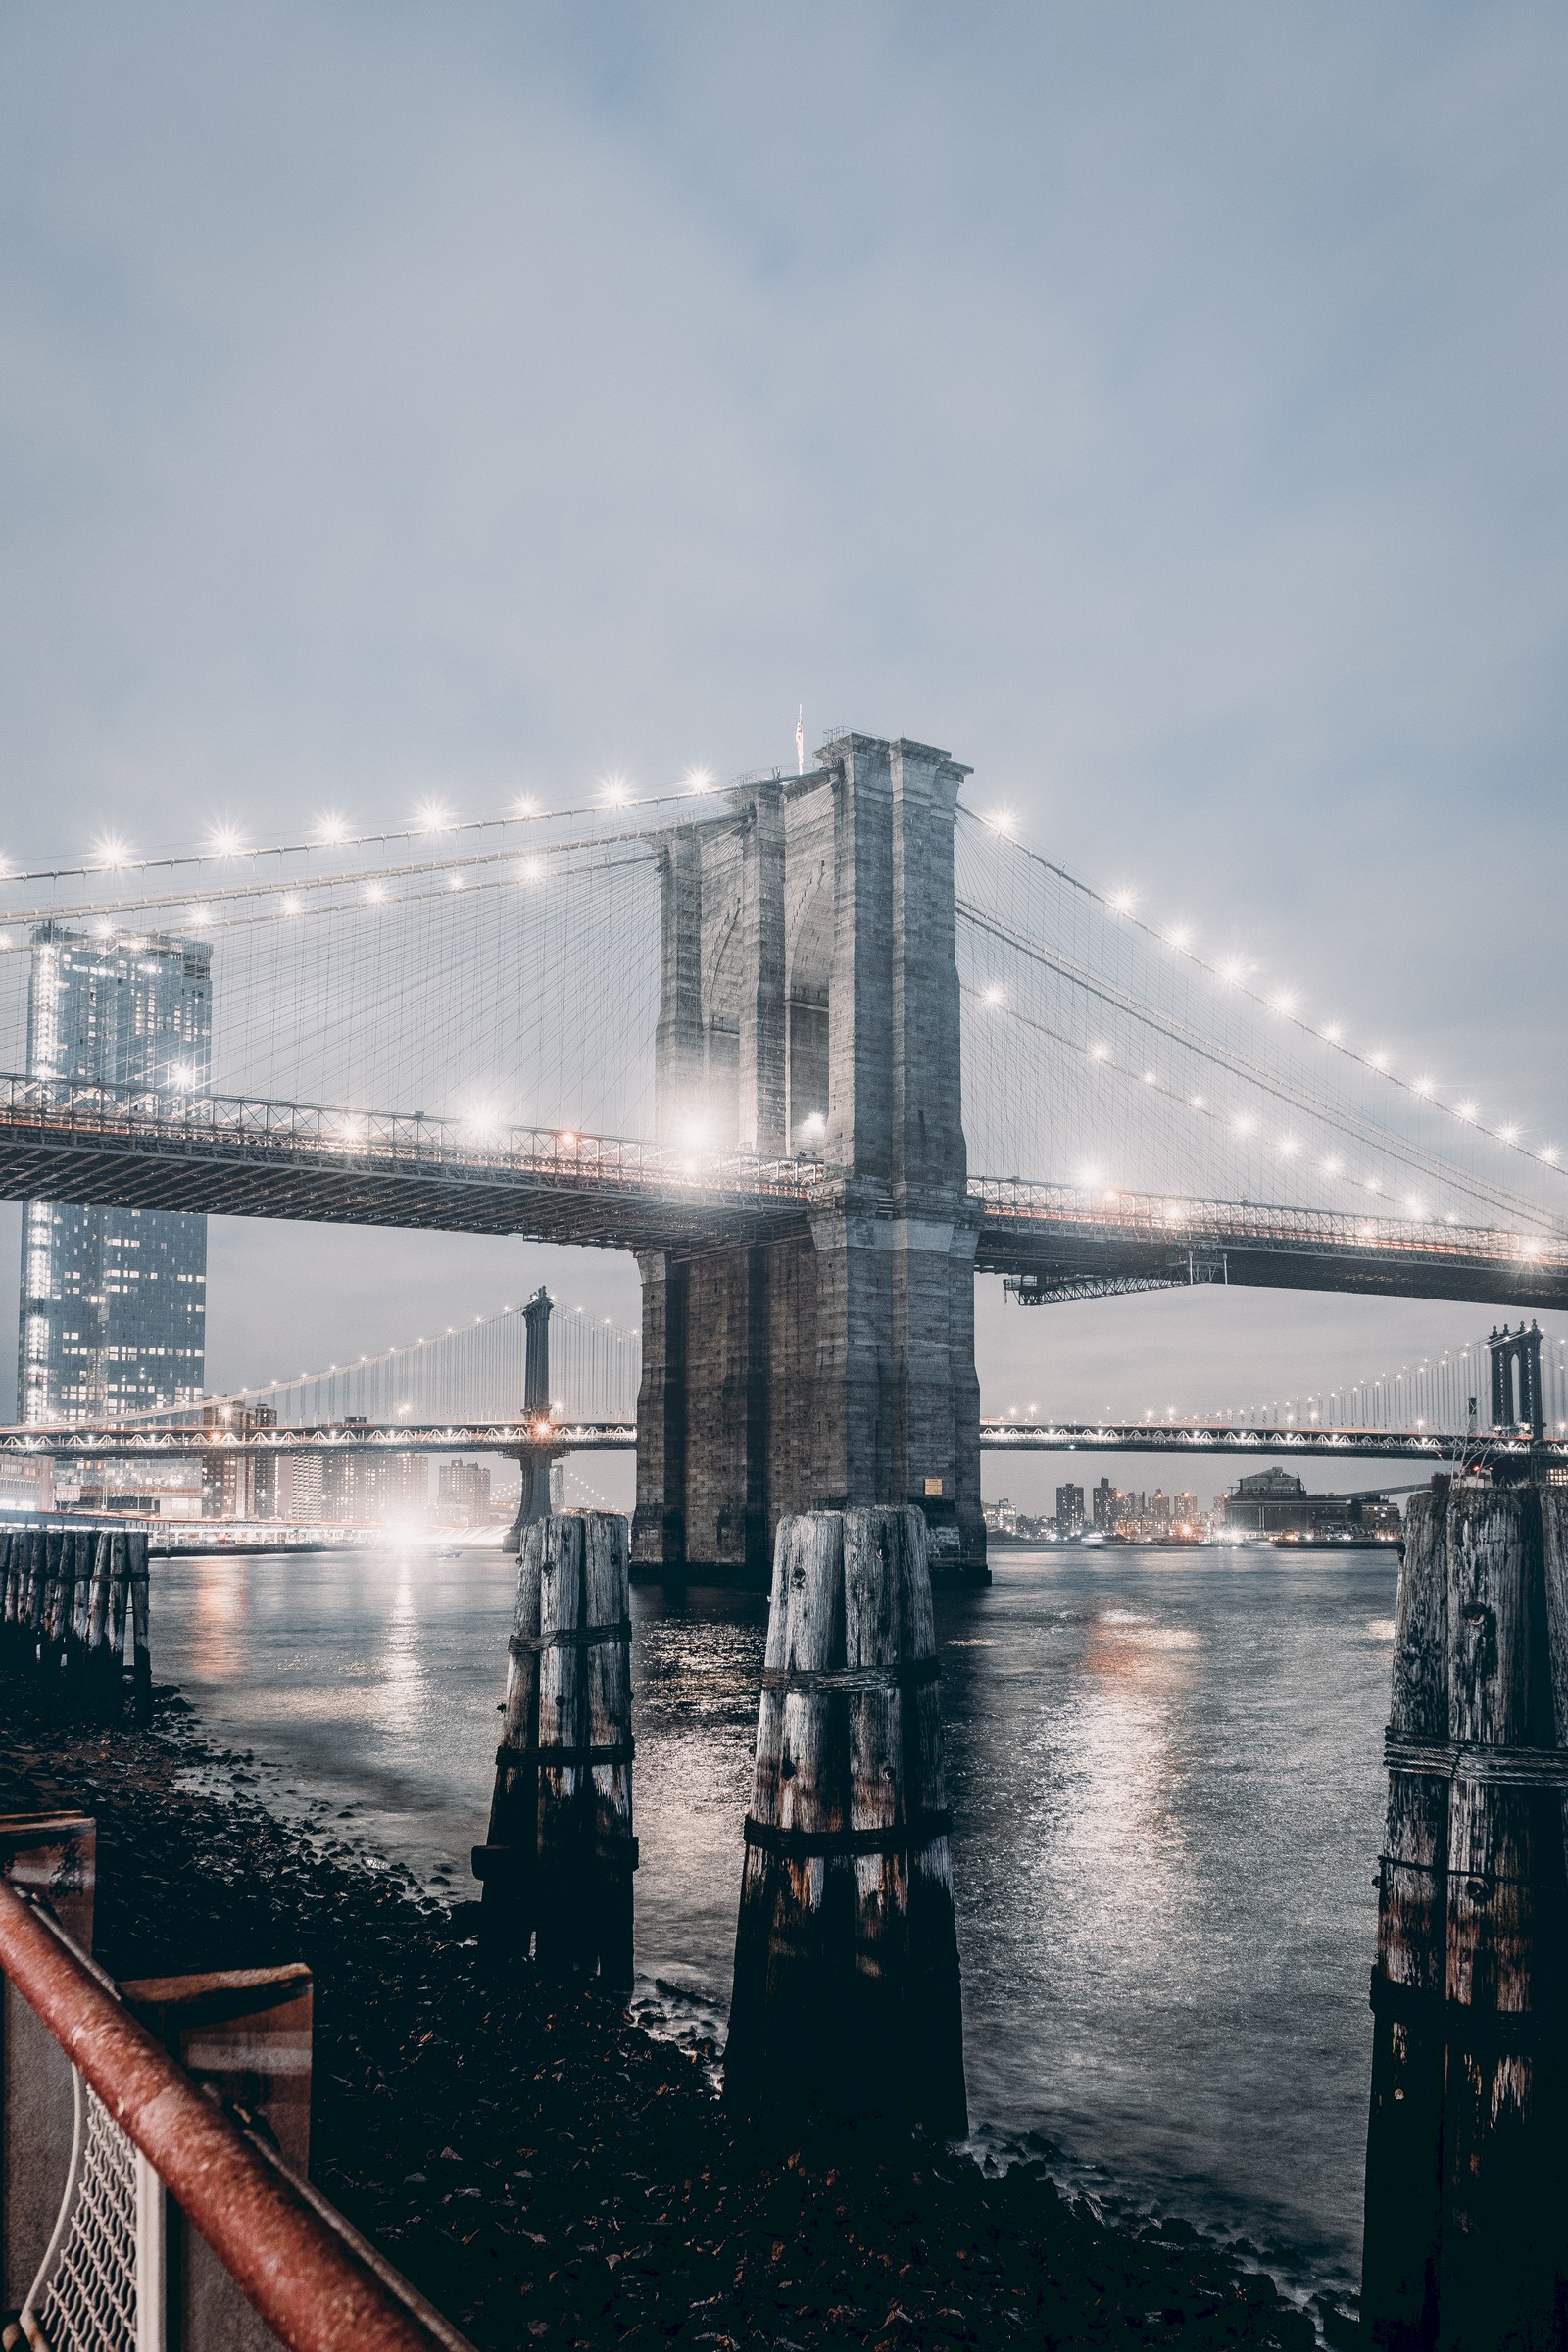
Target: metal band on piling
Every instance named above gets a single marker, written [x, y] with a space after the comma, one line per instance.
[572, 1637]
[906, 1676]
[897, 1838]
[1493, 1764]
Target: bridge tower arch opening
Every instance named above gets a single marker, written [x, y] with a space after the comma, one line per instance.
[810, 1007]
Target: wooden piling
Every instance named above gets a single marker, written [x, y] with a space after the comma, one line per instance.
[1404, 2131]
[557, 1866]
[141, 1682]
[10, 1540]
[35, 1589]
[1478, 1717]
[846, 1995]
[119, 1616]
[1504, 2258]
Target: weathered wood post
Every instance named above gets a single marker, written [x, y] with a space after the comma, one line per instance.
[102, 1695]
[35, 1589]
[10, 1541]
[1494, 2271]
[845, 1999]
[119, 1616]
[141, 1684]
[1404, 2131]
[557, 1865]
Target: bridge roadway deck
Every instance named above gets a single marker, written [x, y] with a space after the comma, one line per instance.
[228, 1157]
[1220, 1441]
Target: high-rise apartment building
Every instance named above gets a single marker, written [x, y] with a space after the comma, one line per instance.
[113, 1301]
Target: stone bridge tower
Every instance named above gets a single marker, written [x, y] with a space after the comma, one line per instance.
[809, 1007]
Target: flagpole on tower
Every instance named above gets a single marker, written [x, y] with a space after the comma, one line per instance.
[799, 743]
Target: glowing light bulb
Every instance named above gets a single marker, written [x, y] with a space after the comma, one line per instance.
[697, 779]
[617, 792]
[1245, 1124]
[1378, 1058]
[1284, 999]
[1334, 1031]
[293, 904]
[992, 996]
[330, 828]
[111, 851]
[1123, 901]
[1150, 1078]
[432, 817]
[376, 894]
[1423, 1086]
[1549, 1152]
[525, 804]
[1465, 1110]
[1099, 1053]
[1509, 1134]
[1180, 935]
[1002, 821]
[1233, 970]
[454, 881]
[1196, 1102]
[201, 919]
[225, 841]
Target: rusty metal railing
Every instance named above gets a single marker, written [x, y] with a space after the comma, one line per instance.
[145, 2141]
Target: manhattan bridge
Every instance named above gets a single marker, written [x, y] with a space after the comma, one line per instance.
[817, 1049]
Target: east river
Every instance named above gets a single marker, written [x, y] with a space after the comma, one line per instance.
[1165, 1770]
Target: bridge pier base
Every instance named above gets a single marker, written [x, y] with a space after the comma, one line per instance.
[820, 1374]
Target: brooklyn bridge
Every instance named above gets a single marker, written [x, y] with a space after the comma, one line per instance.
[820, 1049]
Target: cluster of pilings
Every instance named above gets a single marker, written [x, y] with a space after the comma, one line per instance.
[845, 1997]
[1467, 2146]
[73, 1613]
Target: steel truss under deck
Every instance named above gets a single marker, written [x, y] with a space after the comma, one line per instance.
[227, 1155]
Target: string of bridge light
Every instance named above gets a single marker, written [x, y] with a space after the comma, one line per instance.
[256, 1394]
[111, 854]
[323, 894]
[1100, 1056]
[1232, 972]
[1434, 1372]
[1204, 1048]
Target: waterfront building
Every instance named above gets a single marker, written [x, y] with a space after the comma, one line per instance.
[236, 1485]
[1069, 1511]
[113, 1301]
[1106, 1502]
[1276, 1503]
[462, 1493]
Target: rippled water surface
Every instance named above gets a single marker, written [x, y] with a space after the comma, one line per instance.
[1165, 1774]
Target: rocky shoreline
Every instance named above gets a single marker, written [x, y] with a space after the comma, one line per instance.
[543, 2168]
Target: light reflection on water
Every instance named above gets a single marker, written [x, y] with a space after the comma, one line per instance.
[1166, 1776]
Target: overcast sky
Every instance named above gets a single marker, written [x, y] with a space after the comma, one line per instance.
[1159, 406]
